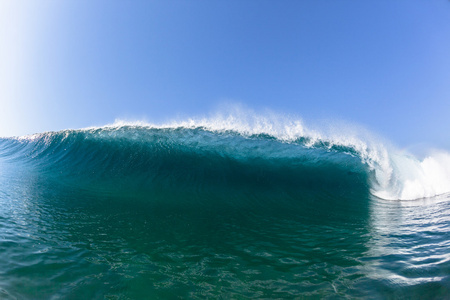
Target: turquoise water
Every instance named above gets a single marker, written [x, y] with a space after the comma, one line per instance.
[136, 212]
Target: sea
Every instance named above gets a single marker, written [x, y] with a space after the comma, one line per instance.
[221, 208]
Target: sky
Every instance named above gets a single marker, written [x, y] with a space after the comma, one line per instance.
[382, 64]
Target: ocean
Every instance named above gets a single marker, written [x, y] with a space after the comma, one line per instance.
[221, 209]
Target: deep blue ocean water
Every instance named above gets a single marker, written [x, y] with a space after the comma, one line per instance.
[139, 212]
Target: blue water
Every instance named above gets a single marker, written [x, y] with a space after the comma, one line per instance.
[142, 212]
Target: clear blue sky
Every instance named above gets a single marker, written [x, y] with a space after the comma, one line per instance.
[382, 64]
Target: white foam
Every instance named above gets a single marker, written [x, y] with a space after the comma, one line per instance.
[418, 178]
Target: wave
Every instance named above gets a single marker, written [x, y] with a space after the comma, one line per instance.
[231, 151]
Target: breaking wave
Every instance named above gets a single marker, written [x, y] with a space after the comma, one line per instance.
[231, 151]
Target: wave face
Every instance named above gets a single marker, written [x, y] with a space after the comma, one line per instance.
[252, 207]
[191, 158]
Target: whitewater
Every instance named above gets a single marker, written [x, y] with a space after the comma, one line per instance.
[235, 205]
